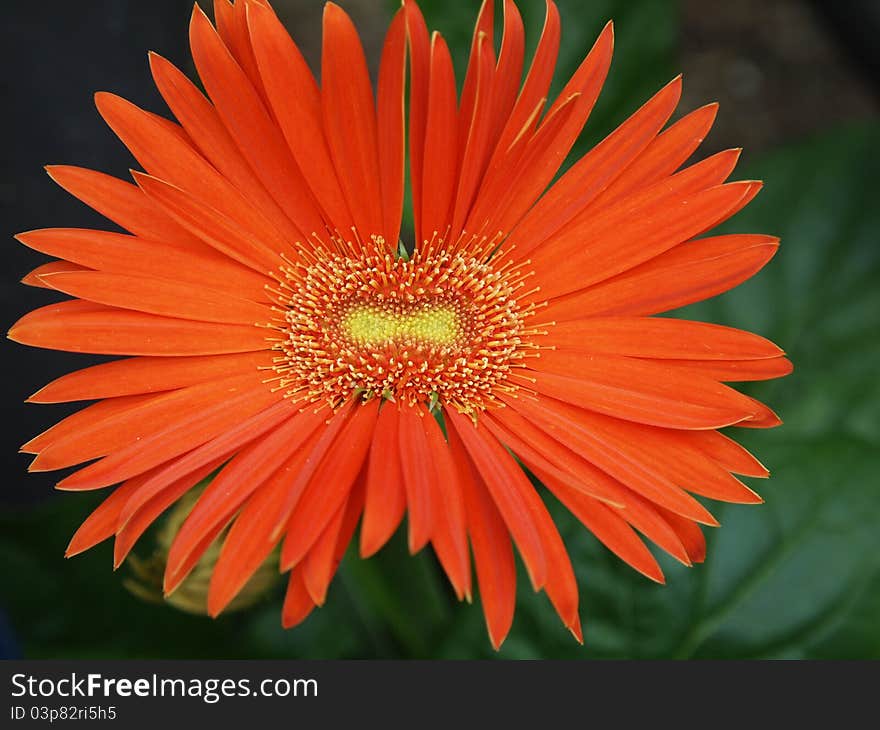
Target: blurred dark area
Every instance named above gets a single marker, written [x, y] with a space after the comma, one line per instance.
[794, 79]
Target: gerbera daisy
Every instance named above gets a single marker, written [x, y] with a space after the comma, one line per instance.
[279, 333]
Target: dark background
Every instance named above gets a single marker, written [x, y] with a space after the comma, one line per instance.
[797, 577]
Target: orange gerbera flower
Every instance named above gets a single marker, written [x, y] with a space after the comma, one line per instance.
[280, 333]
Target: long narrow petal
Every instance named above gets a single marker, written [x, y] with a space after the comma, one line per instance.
[441, 144]
[124, 204]
[109, 331]
[492, 548]
[571, 426]
[121, 254]
[512, 493]
[138, 423]
[83, 419]
[419, 46]
[632, 233]
[136, 375]
[611, 530]
[129, 529]
[331, 484]
[538, 79]
[187, 431]
[214, 451]
[320, 565]
[449, 526]
[36, 277]
[349, 112]
[239, 479]
[295, 100]
[199, 118]
[419, 476]
[164, 155]
[535, 446]
[640, 390]
[575, 473]
[594, 171]
[508, 71]
[651, 337]
[245, 116]
[391, 127]
[263, 253]
[298, 604]
[385, 492]
[101, 523]
[683, 275]
[160, 296]
[737, 371]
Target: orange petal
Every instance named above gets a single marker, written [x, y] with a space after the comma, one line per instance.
[651, 337]
[449, 527]
[391, 126]
[298, 604]
[331, 484]
[214, 451]
[385, 492]
[727, 452]
[35, 277]
[594, 171]
[534, 446]
[245, 116]
[122, 254]
[642, 227]
[690, 534]
[575, 429]
[420, 65]
[737, 371]
[640, 390]
[236, 482]
[242, 399]
[101, 524]
[419, 476]
[83, 419]
[160, 296]
[582, 476]
[245, 245]
[516, 498]
[124, 204]
[441, 144]
[165, 156]
[108, 331]
[295, 100]
[199, 118]
[508, 73]
[139, 423]
[493, 552]
[683, 275]
[246, 547]
[131, 525]
[349, 114]
[663, 156]
[321, 562]
[611, 530]
[136, 375]
[474, 134]
[537, 83]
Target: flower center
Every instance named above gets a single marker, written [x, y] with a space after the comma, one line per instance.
[442, 327]
[369, 324]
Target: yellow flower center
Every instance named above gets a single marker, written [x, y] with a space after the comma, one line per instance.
[372, 325]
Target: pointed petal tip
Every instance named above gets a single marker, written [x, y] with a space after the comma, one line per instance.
[576, 631]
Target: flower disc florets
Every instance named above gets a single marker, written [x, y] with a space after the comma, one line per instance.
[441, 327]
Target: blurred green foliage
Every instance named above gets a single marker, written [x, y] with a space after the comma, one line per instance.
[798, 577]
